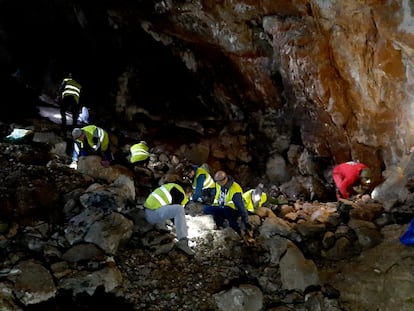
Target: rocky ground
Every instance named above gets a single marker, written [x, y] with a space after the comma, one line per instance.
[309, 257]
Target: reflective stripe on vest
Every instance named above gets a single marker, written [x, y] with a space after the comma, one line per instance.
[98, 133]
[139, 152]
[92, 131]
[162, 196]
[208, 181]
[160, 199]
[72, 88]
[234, 188]
[248, 200]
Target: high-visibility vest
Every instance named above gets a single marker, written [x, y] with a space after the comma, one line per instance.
[248, 200]
[139, 152]
[71, 88]
[96, 137]
[234, 188]
[162, 196]
[208, 181]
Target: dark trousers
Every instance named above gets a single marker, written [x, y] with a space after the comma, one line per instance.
[220, 214]
[208, 195]
[69, 103]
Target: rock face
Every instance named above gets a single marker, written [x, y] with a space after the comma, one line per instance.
[333, 77]
[91, 244]
[268, 90]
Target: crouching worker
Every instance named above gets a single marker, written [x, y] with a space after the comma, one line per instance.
[351, 178]
[228, 204]
[90, 140]
[203, 184]
[254, 200]
[168, 202]
[139, 154]
[139, 157]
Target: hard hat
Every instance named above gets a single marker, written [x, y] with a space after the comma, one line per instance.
[76, 133]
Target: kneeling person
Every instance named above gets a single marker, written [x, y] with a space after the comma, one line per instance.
[167, 202]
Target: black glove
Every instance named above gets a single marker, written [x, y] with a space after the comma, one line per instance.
[247, 227]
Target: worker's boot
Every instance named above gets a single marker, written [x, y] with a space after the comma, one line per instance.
[182, 245]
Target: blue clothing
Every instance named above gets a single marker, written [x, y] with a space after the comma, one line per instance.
[95, 141]
[408, 237]
[203, 185]
[221, 212]
[199, 188]
[80, 150]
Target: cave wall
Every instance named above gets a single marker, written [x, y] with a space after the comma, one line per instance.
[340, 71]
[333, 76]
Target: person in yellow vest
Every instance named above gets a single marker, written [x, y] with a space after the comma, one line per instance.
[202, 182]
[228, 204]
[168, 202]
[68, 98]
[254, 200]
[139, 154]
[90, 140]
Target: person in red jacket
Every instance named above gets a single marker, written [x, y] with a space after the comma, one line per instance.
[351, 178]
